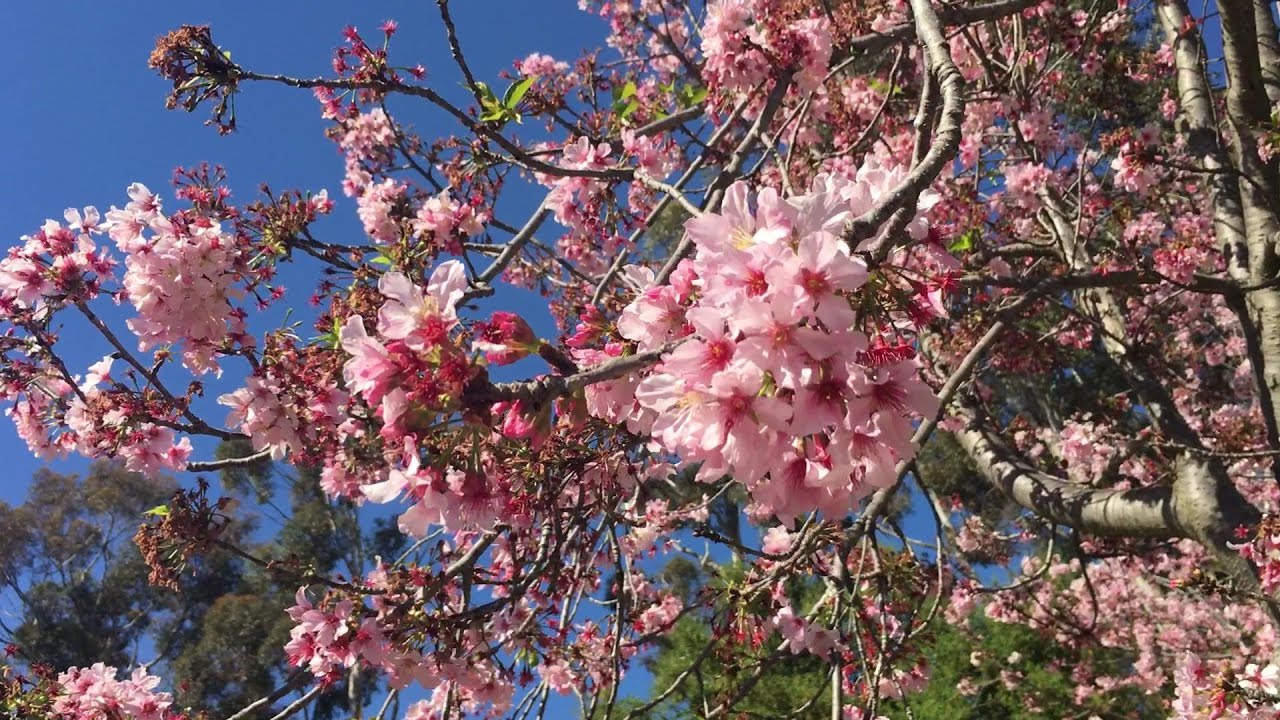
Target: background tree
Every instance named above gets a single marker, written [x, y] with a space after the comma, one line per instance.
[80, 590]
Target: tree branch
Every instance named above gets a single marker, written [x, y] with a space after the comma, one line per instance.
[946, 139]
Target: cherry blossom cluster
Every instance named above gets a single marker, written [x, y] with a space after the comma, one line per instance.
[412, 374]
[181, 277]
[577, 201]
[182, 274]
[389, 208]
[977, 540]
[745, 41]
[1205, 691]
[346, 629]
[95, 693]
[394, 621]
[1158, 623]
[1133, 165]
[771, 381]
[788, 359]
[413, 364]
[1263, 550]
[59, 263]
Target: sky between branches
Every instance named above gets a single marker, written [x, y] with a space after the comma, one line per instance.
[85, 116]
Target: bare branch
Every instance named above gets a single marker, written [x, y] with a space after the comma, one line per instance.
[211, 465]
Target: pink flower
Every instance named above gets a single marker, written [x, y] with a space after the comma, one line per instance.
[558, 676]
[151, 449]
[653, 319]
[257, 411]
[376, 206]
[706, 354]
[770, 383]
[1133, 173]
[820, 272]
[94, 693]
[791, 628]
[99, 373]
[777, 541]
[369, 371]
[421, 320]
[519, 423]
[1024, 181]
[181, 279]
[536, 64]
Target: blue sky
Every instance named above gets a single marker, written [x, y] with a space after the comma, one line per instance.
[86, 116]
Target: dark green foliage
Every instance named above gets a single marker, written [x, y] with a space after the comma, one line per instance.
[235, 657]
[950, 474]
[1041, 684]
[792, 680]
[67, 561]
[797, 686]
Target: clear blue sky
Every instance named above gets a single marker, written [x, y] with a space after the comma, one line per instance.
[85, 116]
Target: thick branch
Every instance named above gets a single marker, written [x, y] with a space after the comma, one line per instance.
[1268, 48]
[537, 392]
[946, 141]
[1144, 512]
[1248, 111]
[211, 465]
[950, 15]
[1199, 127]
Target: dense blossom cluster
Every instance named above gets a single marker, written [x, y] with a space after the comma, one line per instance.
[95, 693]
[390, 209]
[1263, 550]
[59, 261]
[771, 381]
[1203, 690]
[182, 274]
[744, 40]
[181, 277]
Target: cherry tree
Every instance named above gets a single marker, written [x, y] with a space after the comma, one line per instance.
[1045, 232]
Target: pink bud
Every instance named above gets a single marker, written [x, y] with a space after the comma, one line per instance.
[506, 338]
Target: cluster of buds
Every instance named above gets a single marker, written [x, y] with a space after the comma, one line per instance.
[189, 525]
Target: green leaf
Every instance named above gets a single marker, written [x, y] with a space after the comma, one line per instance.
[159, 511]
[883, 87]
[516, 93]
[691, 95]
[491, 109]
[965, 242]
[629, 109]
[486, 95]
[625, 102]
[381, 260]
[333, 338]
